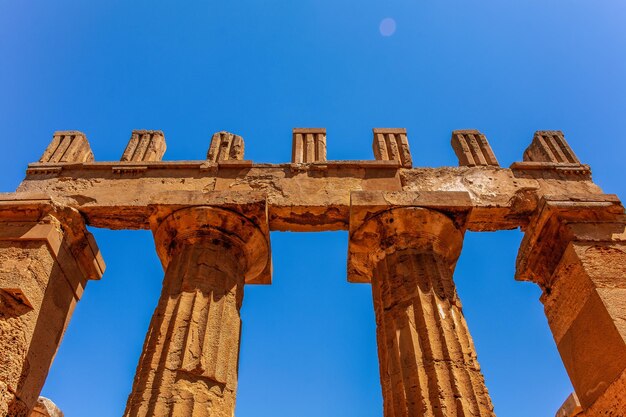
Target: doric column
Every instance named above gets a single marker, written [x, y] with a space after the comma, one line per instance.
[190, 357]
[46, 258]
[428, 364]
[575, 250]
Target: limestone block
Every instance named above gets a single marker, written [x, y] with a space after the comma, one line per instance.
[68, 146]
[575, 249]
[309, 145]
[44, 267]
[550, 146]
[46, 408]
[145, 146]
[472, 148]
[570, 408]
[392, 145]
[225, 146]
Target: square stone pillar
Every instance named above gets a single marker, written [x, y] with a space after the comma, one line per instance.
[575, 250]
[46, 258]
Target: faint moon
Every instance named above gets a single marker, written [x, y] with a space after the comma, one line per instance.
[387, 26]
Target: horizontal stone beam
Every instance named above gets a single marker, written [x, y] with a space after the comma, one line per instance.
[300, 197]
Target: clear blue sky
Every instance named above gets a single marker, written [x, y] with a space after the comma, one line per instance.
[260, 68]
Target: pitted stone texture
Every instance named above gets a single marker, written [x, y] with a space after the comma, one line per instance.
[309, 145]
[49, 263]
[145, 146]
[392, 145]
[225, 146]
[428, 363]
[46, 408]
[576, 252]
[550, 146]
[190, 357]
[189, 364]
[68, 146]
[472, 148]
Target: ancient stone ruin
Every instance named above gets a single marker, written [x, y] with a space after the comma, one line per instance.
[211, 221]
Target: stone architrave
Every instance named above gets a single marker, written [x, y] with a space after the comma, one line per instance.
[428, 364]
[575, 250]
[46, 258]
[190, 357]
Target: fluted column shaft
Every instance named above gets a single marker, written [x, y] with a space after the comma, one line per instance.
[428, 363]
[190, 357]
[427, 357]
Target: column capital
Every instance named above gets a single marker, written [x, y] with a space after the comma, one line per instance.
[382, 223]
[249, 233]
[560, 220]
[63, 228]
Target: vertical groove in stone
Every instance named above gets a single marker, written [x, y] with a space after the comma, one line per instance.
[550, 146]
[225, 146]
[308, 146]
[392, 145]
[189, 363]
[67, 146]
[472, 148]
[131, 147]
[380, 147]
[428, 365]
[145, 146]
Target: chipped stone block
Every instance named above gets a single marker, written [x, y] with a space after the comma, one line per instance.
[68, 146]
[472, 148]
[145, 146]
[225, 146]
[392, 145]
[17, 295]
[550, 146]
[570, 408]
[46, 408]
[309, 145]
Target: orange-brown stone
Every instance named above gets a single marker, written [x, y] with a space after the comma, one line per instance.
[190, 358]
[45, 262]
[428, 364]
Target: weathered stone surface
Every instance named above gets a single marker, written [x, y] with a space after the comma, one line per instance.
[67, 146]
[313, 198]
[472, 148]
[212, 219]
[309, 145]
[46, 408]
[392, 145]
[225, 146]
[46, 258]
[190, 357]
[145, 146]
[428, 364]
[575, 249]
[550, 146]
[570, 408]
